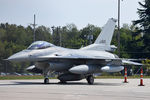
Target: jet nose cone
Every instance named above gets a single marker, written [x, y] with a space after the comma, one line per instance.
[15, 57]
[21, 56]
[11, 58]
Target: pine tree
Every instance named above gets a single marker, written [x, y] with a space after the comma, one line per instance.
[144, 23]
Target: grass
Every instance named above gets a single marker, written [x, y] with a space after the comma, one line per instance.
[12, 77]
[41, 77]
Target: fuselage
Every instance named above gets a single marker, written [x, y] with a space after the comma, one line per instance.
[34, 55]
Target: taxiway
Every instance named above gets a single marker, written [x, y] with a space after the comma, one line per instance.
[103, 89]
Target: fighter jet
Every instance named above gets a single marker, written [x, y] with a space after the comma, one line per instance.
[74, 64]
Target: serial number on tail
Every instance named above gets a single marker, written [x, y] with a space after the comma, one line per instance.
[102, 41]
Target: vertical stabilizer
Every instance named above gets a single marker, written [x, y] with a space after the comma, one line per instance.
[106, 34]
[104, 39]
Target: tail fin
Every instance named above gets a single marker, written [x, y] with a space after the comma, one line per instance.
[106, 34]
[104, 39]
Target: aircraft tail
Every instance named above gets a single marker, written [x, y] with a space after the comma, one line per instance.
[103, 41]
[106, 34]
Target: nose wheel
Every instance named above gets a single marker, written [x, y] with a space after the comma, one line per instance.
[46, 81]
[90, 79]
[46, 73]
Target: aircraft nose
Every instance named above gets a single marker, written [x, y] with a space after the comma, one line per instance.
[21, 56]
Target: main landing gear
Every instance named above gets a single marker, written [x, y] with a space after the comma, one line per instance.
[90, 79]
[46, 81]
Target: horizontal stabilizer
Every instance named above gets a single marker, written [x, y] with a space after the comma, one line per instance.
[128, 62]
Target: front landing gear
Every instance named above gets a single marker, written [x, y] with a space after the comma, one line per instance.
[46, 81]
[90, 79]
[46, 73]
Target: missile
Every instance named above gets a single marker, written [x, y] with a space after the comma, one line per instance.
[112, 68]
[34, 69]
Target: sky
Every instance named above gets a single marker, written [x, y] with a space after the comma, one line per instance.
[63, 12]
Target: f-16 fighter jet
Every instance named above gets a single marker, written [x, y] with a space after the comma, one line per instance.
[74, 64]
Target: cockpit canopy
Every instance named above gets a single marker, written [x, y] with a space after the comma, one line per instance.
[39, 45]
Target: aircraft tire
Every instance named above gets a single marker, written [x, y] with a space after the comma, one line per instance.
[46, 81]
[90, 79]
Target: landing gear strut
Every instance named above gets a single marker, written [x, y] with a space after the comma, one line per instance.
[46, 72]
[90, 79]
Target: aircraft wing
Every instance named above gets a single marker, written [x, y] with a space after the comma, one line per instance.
[128, 62]
[80, 56]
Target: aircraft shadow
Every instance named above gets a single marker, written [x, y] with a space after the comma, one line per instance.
[57, 83]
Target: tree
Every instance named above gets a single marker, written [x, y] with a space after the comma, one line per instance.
[144, 23]
[43, 34]
[144, 17]
[87, 31]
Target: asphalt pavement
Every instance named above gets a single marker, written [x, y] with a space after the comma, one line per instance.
[103, 89]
